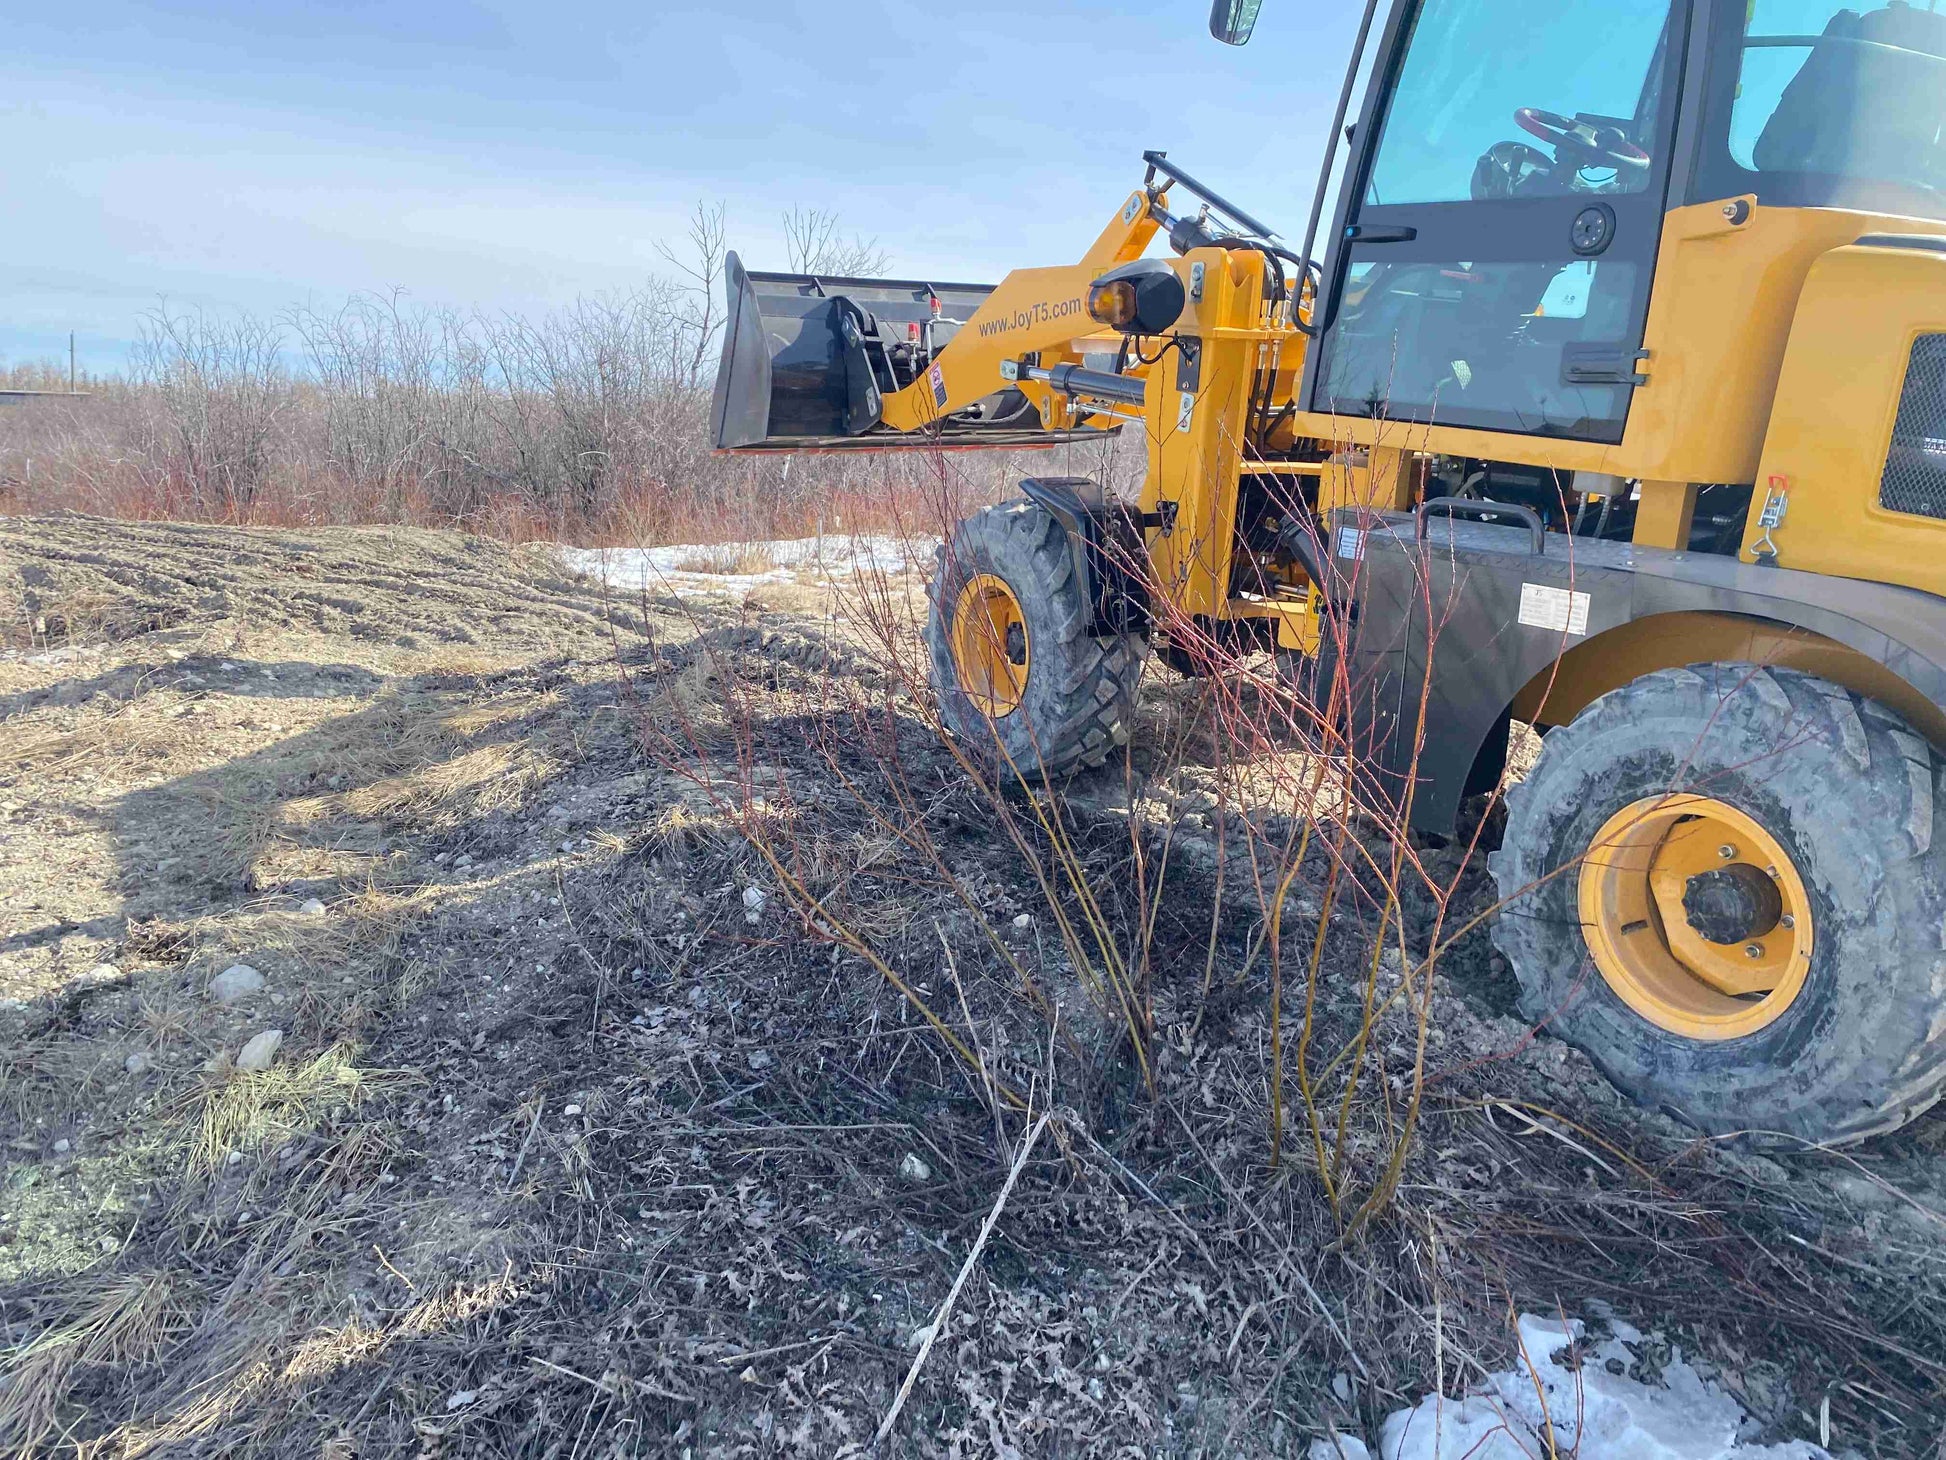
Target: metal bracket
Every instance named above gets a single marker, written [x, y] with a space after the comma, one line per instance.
[1163, 519]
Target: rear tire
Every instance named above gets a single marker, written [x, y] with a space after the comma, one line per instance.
[1072, 702]
[1846, 791]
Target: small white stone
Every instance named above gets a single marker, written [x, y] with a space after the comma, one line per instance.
[570, 1110]
[459, 1399]
[311, 907]
[760, 1059]
[63, 1146]
[754, 899]
[1023, 922]
[260, 1051]
[238, 981]
[139, 1063]
[101, 973]
[235, 1158]
[914, 1169]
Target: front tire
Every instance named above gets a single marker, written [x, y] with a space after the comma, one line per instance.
[1022, 684]
[1724, 883]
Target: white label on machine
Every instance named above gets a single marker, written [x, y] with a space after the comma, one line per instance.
[1351, 543]
[938, 379]
[1185, 410]
[1542, 607]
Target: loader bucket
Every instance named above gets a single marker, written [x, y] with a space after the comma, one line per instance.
[807, 362]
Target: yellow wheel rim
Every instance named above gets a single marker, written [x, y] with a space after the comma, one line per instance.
[1696, 916]
[991, 652]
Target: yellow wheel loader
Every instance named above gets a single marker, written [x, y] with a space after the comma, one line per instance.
[1612, 401]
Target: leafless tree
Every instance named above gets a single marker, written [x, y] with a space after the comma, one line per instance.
[701, 266]
[814, 245]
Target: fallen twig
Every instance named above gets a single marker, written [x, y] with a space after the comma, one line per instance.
[965, 1271]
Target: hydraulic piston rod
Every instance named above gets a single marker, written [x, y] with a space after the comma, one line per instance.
[1074, 380]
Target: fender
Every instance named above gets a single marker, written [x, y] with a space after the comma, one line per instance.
[1481, 629]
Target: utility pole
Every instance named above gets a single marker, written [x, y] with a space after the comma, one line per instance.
[70, 362]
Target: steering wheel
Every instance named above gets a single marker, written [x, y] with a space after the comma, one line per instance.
[1585, 143]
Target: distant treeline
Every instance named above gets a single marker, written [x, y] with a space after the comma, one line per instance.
[586, 423]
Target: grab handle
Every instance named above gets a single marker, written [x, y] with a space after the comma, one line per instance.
[1472, 507]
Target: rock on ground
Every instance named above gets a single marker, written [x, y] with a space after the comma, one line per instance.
[238, 981]
[260, 1050]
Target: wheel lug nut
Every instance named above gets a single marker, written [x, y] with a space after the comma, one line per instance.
[1726, 851]
[1788, 920]
[1753, 950]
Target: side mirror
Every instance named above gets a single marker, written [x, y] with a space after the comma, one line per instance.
[1231, 21]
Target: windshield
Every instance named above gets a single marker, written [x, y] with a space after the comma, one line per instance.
[1498, 98]
[1837, 107]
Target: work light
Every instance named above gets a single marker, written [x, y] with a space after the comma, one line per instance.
[1142, 298]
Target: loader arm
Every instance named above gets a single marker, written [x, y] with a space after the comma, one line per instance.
[819, 363]
[1032, 311]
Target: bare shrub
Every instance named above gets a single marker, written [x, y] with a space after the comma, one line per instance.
[222, 395]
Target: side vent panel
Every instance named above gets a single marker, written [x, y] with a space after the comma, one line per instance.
[1915, 467]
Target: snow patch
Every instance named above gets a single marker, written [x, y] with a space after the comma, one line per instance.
[1595, 1409]
[745, 564]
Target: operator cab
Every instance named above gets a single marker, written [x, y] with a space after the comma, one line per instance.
[1499, 220]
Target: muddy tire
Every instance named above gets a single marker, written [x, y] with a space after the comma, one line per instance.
[1020, 679]
[1845, 796]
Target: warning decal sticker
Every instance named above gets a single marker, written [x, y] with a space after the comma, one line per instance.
[938, 379]
[1557, 609]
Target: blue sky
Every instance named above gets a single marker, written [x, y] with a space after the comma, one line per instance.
[222, 154]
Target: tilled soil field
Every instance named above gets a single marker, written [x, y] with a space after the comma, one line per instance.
[447, 1010]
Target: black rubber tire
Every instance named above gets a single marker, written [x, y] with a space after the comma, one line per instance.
[1079, 700]
[1848, 788]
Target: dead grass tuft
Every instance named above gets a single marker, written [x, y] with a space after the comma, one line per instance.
[252, 1109]
[109, 1322]
[733, 558]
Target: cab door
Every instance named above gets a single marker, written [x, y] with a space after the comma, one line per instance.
[1498, 227]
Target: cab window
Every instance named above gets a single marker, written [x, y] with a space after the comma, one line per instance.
[1503, 97]
[1826, 105]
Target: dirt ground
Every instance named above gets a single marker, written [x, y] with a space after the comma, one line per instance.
[586, 1135]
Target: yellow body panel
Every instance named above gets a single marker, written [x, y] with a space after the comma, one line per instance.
[1850, 343]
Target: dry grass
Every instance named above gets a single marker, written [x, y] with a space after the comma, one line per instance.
[109, 1321]
[250, 1110]
[578, 1148]
[732, 558]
